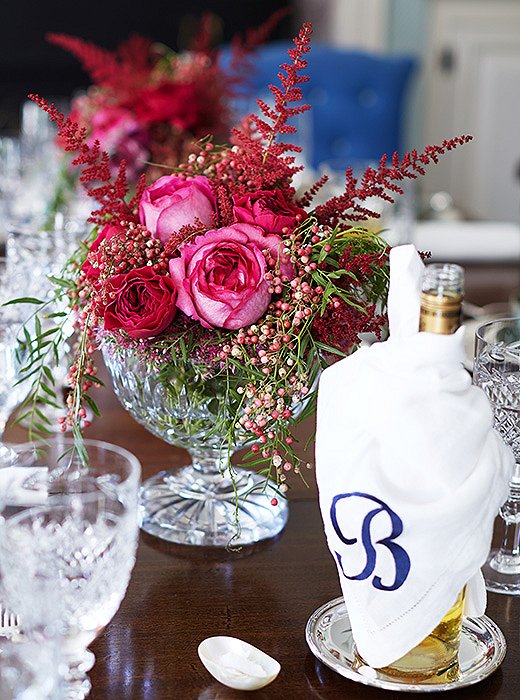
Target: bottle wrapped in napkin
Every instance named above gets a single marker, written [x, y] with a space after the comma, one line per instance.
[410, 474]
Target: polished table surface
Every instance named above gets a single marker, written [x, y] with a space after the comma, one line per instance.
[180, 595]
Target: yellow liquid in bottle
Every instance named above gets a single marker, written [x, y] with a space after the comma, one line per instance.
[435, 659]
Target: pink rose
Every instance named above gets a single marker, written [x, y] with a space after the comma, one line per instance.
[91, 265]
[143, 305]
[122, 136]
[173, 202]
[268, 209]
[220, 276]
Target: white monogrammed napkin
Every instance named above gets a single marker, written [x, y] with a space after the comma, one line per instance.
[411, 475]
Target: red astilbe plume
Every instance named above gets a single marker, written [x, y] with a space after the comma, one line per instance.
[183, 235]
[243, 47]
[308, 196]
[381, 183]
[123, 70]
[344, 319]
[260, 160]
[202, 43]
[110, 192]
[224, 201]
[341, 325]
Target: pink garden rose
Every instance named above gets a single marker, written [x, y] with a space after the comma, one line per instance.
[122, 136]
[268, 209]
[91, 265]
[143, 303]
[220, 276]
[173, 202]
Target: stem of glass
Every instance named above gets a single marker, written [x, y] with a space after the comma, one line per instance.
[6, 454]
[507, 559]
[208, 461]
[77, 683]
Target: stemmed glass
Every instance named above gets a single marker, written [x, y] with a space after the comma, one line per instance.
[29, 671]
[497, 372]
[66, 562]
[35, 251]
[11, 393]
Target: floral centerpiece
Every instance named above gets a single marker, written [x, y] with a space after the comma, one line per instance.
[218, 295]
[148, 104]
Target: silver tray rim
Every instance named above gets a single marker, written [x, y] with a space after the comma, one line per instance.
[484, 623]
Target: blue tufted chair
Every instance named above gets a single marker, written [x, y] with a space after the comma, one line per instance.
[357, 99]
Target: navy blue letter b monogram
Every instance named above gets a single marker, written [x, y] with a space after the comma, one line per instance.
[401, 558]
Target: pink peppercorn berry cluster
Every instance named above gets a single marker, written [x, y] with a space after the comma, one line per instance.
[131, 248]
[270, 345]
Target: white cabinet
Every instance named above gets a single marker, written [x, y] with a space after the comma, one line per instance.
[472, 75]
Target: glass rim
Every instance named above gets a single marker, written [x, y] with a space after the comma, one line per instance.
[27, 228]
[478, 331]
[135, 463]
[61, 502]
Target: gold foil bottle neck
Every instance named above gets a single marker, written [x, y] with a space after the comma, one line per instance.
[441, 298]
[440, 313]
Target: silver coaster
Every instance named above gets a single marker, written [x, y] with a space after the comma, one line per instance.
[329, 636]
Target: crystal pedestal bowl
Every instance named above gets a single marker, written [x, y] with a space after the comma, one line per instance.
[208, 502]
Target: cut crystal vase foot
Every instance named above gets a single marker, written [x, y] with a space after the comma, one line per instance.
[187, 506]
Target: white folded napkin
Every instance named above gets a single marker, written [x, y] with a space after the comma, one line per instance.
[411, 475]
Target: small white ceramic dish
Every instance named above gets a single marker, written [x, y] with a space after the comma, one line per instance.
[237, 664]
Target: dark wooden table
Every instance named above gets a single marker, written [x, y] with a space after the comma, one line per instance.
[264, 595]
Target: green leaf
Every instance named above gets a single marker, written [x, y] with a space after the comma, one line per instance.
[23, 300]
[61, 282]
[47, 390]
[49, 374]
[95, 380]
[41, 415]
[92, 404]
[57, 314]
[39, 428]
[330, 349]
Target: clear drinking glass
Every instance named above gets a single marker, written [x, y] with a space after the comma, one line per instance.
[497, 372]
[10, 163]
[66, 562]
[34, 251]
[10, 393]
[30, 671]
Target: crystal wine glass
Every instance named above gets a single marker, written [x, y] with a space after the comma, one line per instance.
[35, 251]
[30, 671]
[497, 372]
[11, 393]
[66, 562]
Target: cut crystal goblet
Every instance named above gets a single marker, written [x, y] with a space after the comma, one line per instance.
[497, 372]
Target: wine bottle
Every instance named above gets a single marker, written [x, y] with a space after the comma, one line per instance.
[435, 659]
